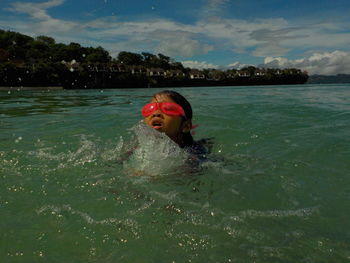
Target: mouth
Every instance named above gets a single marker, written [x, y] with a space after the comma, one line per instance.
[156, 124]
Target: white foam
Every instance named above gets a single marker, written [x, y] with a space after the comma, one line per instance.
[155, 154]
[58, 210]
[303, 212]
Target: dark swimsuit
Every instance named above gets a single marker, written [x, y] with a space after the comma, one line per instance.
[198, 151]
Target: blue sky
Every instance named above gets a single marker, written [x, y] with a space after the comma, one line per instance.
[307, 34]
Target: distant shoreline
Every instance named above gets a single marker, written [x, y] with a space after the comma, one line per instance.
[31, 88]
[39, 62]
[57, 88]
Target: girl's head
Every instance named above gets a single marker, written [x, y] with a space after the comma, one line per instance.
[171, 113]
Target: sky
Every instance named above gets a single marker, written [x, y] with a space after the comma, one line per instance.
[306, 34]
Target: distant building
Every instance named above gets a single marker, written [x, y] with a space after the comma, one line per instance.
[159, 72]
[138, 70]
[196, 74]
[243, 74]
[259, 72]
[175, 73]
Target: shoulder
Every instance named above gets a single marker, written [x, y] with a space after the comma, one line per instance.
[200, 149]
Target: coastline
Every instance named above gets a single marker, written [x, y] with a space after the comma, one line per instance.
[31, 88]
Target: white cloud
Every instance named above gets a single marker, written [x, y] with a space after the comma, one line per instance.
[268, 49]
[214, 7]
[35, 10]
[41, 22]
[241, 35]
[259, 37]
[198, 64]
[272, 38]
[160, 35]
[182, 47]
[217, 2]
[237, 65]
[326, 63]
[180, 43]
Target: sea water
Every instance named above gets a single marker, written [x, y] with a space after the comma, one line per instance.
[275, 187]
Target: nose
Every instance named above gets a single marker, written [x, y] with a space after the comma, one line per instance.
[157, 113]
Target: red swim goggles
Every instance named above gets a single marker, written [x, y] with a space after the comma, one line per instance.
[169, 108]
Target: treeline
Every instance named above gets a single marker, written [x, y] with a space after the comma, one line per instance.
[329, 79]
[40, 61]
[27, 61]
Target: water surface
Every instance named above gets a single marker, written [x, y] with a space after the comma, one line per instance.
[275, 188]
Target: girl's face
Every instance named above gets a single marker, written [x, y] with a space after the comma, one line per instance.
[173, 126]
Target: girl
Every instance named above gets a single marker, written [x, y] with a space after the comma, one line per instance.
[169, 112]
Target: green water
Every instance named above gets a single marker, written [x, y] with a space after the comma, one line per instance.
[276, 187]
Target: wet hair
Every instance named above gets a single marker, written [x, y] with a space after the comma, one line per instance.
[183, 102]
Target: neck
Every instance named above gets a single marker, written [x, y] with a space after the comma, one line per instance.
[184, 139]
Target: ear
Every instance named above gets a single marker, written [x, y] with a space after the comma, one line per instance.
[186, 126]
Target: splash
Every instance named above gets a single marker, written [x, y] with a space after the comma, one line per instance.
[154, 153]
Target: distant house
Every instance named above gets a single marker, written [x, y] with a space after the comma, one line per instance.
[243, 74]
[196, 74]
[101, 68]
[72, 66]
[259, 73]
[98, 68]
[121, 68]
[138, 70]
[156, 72]
[174, 73]
[113, 69]
[232, 75]
[109, 67]
[92, 68]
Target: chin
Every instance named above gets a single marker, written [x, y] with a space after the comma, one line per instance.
[160, 129]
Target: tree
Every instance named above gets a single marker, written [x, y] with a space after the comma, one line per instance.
[216, 74]
[129, 58]
[48, 41]
[73, 52]
[38, 50]
[19, 39]
[4, 55]
[148, 57]
[177, 66]
[250, 69]
[58, 52]
[97, 55]
[163, 61]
